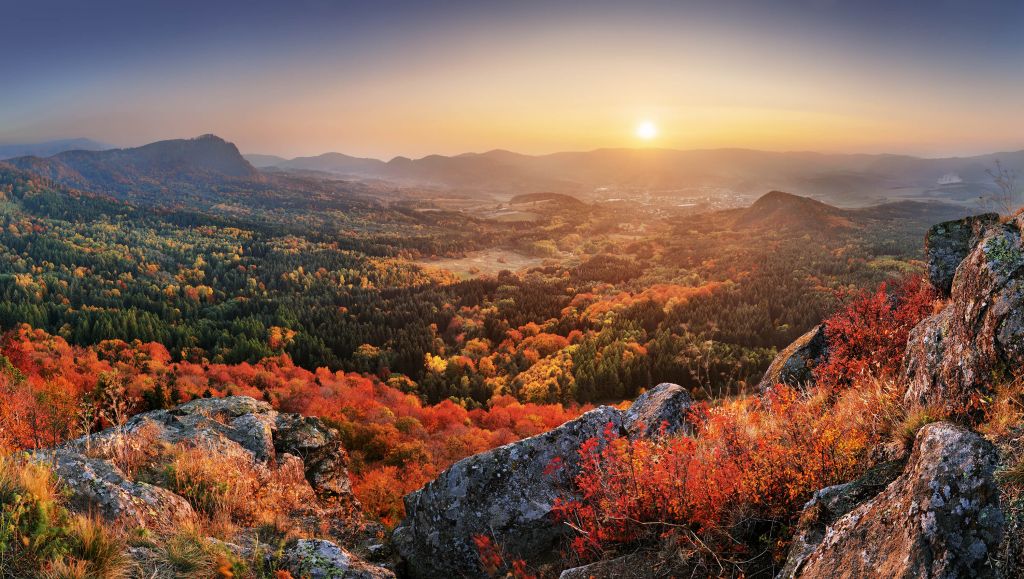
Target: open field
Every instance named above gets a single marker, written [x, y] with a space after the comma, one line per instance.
[488, 262]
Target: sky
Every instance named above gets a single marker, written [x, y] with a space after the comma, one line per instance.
[384, 78]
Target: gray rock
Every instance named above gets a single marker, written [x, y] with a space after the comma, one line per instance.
[795, 364]
[947, 244]
[953, 357]
[665, 404]
[830, 503]
[324, 458]
[96, 486]
[232, 426]
[319, 559]
[640, 565]
[939, 518]
[503, 493]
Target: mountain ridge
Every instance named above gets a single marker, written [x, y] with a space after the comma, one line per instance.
[204, 161]
[844, 178]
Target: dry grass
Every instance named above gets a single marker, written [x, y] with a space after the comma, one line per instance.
[39, 537]
[1007, 409]
[132, 452]
[230, 489]
[917, 418]
[1012, 475]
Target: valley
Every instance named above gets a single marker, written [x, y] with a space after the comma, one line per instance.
[426, 327]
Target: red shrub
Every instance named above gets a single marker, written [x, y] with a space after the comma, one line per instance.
[869, 336]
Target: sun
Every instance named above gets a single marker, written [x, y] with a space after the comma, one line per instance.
[646, 130]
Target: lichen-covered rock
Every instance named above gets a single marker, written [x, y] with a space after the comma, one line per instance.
[96, 486]
[507, 493]
[319, 559]
[639, 565]
[216, 423]
[948, 243]
[230, 427]
[830, 503]
[939, 518]
[323, 456]
[954, 357]
[795, 364]
[664, 405]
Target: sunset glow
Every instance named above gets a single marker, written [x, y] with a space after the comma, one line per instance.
[646, 130]
[533, 77]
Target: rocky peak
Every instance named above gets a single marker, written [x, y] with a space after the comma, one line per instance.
[956, 355]
[948, 243]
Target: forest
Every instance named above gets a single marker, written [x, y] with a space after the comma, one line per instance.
[627, 302]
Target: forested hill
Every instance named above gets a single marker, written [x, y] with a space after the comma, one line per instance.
[162, 167]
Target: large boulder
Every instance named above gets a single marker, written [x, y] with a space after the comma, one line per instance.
[954, 357]
[323, 457]
[506, 493]
[947, 244]
[939, 518]
[664, 406]
[795, 364]
[320, 559]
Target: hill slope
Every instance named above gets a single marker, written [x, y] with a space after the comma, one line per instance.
[154, 169]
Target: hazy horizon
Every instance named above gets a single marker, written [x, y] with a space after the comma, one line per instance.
[403, 79]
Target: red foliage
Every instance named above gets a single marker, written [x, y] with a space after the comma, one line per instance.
[494, 562]
[869, 336]
[759, 458]
[396, 442]
[753, 462]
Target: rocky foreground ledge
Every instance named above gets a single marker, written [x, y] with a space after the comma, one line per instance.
[508, 492]
[933, 513]
[103, 474]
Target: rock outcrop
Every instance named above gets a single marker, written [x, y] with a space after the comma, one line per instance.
[795, 364]
[664, 406]
[828, 505]
[304, 451]
[955, 356]
[947, 244]
[319, 559]
[507, 493]
[97, 486]
[939, 518]
[230, 425]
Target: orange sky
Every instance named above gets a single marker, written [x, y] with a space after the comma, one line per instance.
[408, 79]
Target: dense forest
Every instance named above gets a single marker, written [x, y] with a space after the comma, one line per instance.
[332, 279]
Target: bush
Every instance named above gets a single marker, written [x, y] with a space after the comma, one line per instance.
[868, 338]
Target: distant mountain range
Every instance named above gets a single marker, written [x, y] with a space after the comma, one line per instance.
[202, 166]
[49, 148]
[846, 179]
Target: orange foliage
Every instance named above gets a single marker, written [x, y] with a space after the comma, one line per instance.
[664, 295]
[742, 478]
[49, 393]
